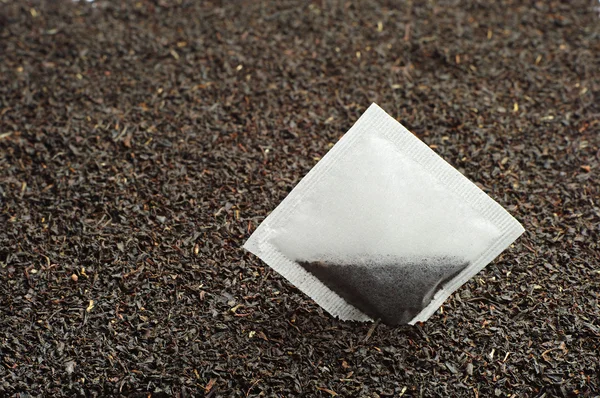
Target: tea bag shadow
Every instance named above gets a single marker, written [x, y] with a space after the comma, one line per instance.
[394, 291]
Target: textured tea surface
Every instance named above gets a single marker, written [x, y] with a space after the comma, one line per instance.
[393, 292]
[142, 142]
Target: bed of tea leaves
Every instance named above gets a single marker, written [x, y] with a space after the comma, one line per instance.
[142, 142]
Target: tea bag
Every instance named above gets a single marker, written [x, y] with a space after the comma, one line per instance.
[382, 227]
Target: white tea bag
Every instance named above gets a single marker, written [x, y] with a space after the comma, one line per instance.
[382, 227]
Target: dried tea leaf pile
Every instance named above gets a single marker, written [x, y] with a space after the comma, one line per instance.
[142, 143]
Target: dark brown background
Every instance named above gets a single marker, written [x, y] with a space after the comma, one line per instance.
[141, 143]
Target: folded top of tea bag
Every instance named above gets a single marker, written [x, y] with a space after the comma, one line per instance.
[382, 227]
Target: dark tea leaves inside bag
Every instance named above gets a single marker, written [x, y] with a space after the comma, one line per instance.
[394, 291]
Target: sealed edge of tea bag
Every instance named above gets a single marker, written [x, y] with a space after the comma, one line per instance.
[376, 121]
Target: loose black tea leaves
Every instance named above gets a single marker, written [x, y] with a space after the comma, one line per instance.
[382, 227]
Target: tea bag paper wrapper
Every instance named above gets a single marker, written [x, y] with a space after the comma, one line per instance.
[382, 227]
